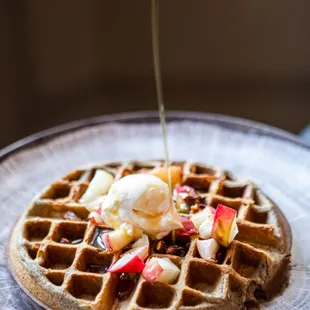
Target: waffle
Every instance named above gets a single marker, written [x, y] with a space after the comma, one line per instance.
[55, 256]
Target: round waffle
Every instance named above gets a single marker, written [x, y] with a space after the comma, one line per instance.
[73, 274]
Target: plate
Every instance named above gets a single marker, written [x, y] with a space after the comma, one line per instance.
[276, 160]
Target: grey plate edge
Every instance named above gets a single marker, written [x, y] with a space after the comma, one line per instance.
[235, 123]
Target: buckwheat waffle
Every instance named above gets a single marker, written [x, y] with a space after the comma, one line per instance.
[55, 257]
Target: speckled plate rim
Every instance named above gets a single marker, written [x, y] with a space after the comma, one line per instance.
[235, 123]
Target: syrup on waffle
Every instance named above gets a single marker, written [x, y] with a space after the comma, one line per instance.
[59, 258]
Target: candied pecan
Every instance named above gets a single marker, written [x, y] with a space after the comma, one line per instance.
[161, 247]
[176, 250]
[194, 199]
[126, 172]
[197, 207]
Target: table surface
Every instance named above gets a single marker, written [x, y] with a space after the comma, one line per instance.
[277, 161]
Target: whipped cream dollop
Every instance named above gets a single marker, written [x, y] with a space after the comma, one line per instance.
[143, 203]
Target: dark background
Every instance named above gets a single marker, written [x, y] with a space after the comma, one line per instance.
[66, 60]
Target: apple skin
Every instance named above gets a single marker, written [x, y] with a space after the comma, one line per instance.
[160, 270]
[106, 241]
[188, 225]
[170, 271]
[224, 224]
[130, 263]
[99, 210]
[188, 228]
[212, 210]
[116, 240]
[142, 246]
[152, 271]
[184, 189]
[199, 217]
[94, 218]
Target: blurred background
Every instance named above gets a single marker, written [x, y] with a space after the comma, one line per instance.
[63, 61]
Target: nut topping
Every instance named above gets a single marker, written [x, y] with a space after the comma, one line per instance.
[161, 247]
[194, 199]
[176, 250]
[197, 207]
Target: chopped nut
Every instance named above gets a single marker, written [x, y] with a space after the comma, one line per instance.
[194, 199]
[64, 241]
[197, 207]
[161, 247]
[176, 250]
[126, 172]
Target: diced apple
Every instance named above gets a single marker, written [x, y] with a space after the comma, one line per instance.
[95, 205]
[152, 270]
[170, 271]
[184, 189]
[161, 270]
[211, 209]
[225, 226]
[188, 225]
[130, 262]
[162, 173]
[116, 240]
[205, 229]
[99, 209]
[99, 185]
[142, 246]
[141, 242]
[95, 218]
[200, 217]
[208, 249]
[188, 228]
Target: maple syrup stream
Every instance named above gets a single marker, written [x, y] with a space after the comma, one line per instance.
[127, 282]
[159, 91]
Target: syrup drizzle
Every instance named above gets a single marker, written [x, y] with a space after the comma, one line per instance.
[128, 281]
[159, 91]
[158, 81]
